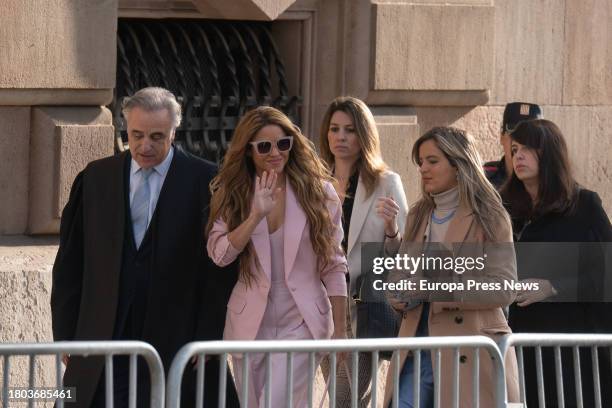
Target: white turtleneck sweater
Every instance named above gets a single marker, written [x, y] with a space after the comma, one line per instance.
[446, 203]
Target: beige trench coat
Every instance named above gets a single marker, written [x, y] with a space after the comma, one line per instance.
[461, 318]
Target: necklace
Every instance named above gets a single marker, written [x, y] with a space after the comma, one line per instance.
[443, 219]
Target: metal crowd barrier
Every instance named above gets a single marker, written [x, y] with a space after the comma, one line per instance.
[556, 341]
[89, 348]
[247, 348]
[290, 347]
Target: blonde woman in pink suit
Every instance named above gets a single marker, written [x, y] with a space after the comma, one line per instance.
[275, 211]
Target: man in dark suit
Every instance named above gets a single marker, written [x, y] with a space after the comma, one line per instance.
[132, 262]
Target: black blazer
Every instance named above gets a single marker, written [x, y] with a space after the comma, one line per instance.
[588, 223]
[577, 270]
[573, 260]
[187, 292]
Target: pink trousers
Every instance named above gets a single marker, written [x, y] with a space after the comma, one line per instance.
[282, 321]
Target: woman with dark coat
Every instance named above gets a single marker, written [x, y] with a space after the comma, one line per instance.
[561, 231]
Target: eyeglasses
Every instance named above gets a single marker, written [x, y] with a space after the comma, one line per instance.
[283, 144]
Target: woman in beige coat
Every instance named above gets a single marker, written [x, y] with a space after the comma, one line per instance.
[461, 216]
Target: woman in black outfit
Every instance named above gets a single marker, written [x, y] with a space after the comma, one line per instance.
[567, 232]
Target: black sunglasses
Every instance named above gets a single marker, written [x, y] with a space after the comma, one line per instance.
[283, 144]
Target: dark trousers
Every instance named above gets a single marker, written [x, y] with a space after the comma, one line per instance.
[121, 375]
[568, 372]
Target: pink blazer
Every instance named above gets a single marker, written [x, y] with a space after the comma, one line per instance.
[310, 287]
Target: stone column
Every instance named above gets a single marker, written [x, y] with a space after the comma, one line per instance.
[55, 53]
[57, 71]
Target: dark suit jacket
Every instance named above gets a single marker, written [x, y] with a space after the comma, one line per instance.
[187, 293]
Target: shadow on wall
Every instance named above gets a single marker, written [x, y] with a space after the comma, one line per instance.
[28, 241]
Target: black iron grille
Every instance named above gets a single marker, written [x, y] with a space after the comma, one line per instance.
[218, 70]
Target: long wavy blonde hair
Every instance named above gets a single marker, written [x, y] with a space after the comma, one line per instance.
[370, 163]
[475, 191]
[232, 188]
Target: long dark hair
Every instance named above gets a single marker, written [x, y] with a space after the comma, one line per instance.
[557, 188]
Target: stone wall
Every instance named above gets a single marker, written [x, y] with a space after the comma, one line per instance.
[25, 313]
[54, 53]
[57, 67]
[459, 62]
[57, 45]
[418, 64]
[449, 60]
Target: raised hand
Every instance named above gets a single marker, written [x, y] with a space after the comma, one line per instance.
[266, 194]
[387, 209]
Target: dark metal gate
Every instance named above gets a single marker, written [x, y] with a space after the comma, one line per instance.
[218, 70]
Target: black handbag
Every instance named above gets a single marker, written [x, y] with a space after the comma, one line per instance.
[375, 316]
